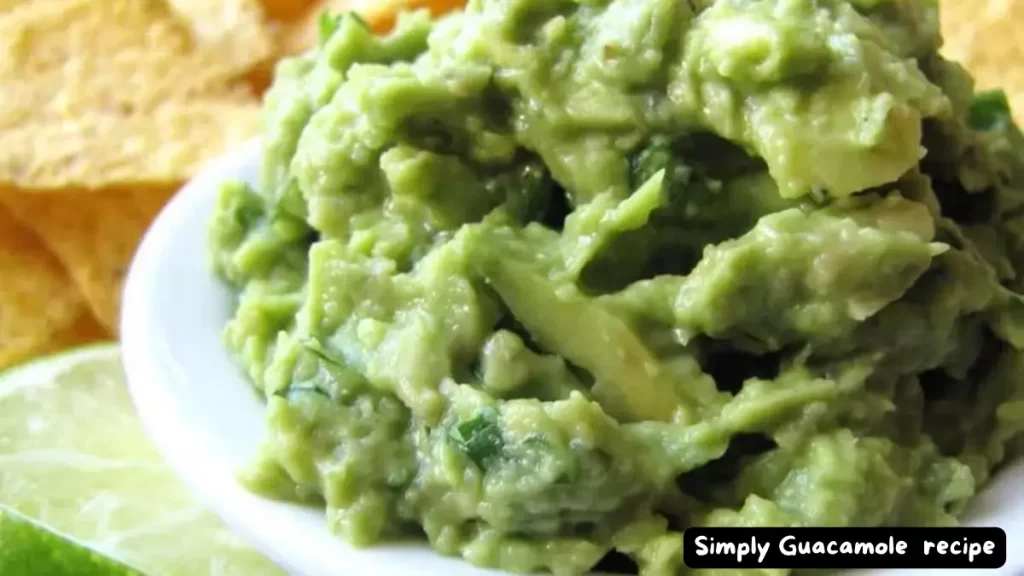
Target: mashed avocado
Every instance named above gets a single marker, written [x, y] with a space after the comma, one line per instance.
[549, 281]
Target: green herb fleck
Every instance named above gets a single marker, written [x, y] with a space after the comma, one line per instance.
[304, 388]
[655, 157]
[320, 351]
[479, 438]
[359, 19]
[328, 25]
[990, 110]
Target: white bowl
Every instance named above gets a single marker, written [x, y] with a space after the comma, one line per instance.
[207, 420]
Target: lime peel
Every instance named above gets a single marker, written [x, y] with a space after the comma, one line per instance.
[75, 458]
[31, 548]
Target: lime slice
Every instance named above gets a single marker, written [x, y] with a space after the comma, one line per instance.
[74, 456]
[29, 548]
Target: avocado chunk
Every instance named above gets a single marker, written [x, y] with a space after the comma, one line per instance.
[628, 379]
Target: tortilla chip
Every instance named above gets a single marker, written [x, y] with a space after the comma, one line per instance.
[286, 10]
[119, 56]
[85, 330]
[94, 234]
[102, 92]
[39, 305]
[169, 145]
[236, 27]
[380, 14]
[982, 36]
[282, 17]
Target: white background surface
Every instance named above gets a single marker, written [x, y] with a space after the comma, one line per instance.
[207, 420]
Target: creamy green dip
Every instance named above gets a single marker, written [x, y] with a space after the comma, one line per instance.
[550, 281]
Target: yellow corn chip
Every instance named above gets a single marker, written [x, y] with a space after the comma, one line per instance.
[284, 16]
[94, 234]
[982, 36]
[235, 27]
[168, 145]
[121, 56]
[286, 10]
[39, 306]
[85, 330]
[109, 92]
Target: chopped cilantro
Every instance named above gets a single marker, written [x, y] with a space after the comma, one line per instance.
[990, 110]
[479, 438]
[328, 25]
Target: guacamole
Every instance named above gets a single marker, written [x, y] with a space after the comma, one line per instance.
[546, 282]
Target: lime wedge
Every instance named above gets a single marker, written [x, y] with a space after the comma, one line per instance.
[74, 456]
[29, 548]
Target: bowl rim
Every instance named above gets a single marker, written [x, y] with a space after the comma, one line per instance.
[157, 407]
[281, 531]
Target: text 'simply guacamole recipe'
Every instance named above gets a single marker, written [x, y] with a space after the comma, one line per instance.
[845, 548]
